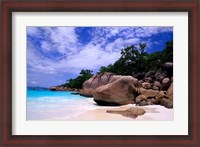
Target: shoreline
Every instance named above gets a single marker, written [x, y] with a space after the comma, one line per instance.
[88, 110]
[79, 108]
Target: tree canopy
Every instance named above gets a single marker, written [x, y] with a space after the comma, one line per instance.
[135, 59]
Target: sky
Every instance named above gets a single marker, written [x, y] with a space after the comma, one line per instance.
[56, 54]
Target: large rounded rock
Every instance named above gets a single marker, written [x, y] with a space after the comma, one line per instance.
[157, 84]
[165, 81]
[146, 85]
[148, 93]
[140, 98]
[166, 102]
[94, 82]
[143, 103]
[114, 78]
[119, 92]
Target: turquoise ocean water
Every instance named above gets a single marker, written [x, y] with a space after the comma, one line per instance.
[36, 94]
[56, 105]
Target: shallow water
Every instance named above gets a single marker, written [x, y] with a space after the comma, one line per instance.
[56, 105]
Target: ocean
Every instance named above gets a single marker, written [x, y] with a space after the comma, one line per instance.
[56, 105]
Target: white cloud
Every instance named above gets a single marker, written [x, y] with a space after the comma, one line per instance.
[72, 55]
[46, 46]
[64, 38]
[92, 57]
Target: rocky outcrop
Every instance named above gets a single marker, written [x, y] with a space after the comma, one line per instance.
[94, 82]
[150, 97]
[155, 86]
[152, 87]
[118, 92]
[62, 88]
[53, 88]
[166, 72]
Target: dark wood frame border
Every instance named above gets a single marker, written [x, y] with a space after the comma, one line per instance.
[9, 6]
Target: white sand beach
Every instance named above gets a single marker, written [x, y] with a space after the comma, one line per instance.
[153, 112]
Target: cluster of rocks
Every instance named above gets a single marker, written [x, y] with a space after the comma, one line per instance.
[156, 87]
[150, 97]
[142, 88]
[62, 88]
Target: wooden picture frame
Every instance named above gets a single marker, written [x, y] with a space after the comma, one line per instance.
[9, 6]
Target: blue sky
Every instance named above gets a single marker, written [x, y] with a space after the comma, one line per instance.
[55, 54]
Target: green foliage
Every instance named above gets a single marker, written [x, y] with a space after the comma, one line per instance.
[78, 81]
[154, 61]
[134, 60]
[109, 68]
[167, 54]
